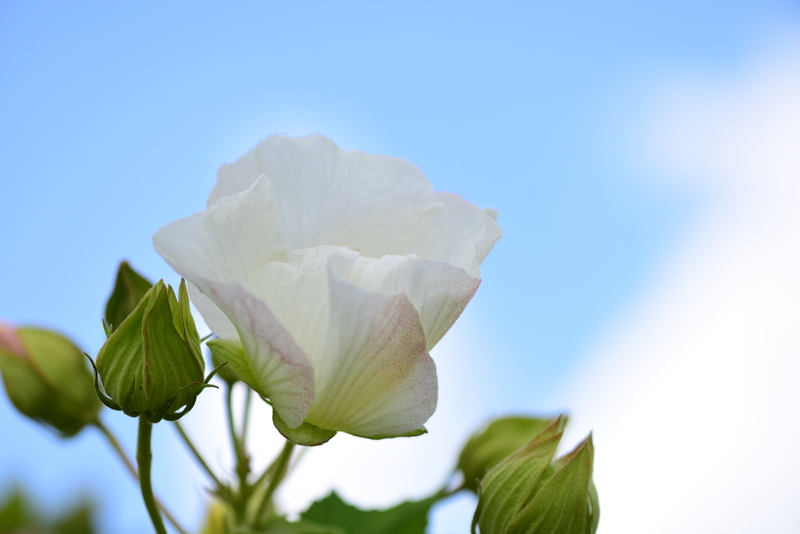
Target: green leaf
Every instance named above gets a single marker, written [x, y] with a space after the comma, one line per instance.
[410, 517]
[15, 513]
[129, 289]
[306, 434]
[488, 447]
[76, 521]
[280, 525]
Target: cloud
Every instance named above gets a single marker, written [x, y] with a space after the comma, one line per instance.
[693, 394]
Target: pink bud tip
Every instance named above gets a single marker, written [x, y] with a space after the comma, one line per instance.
[10, 341]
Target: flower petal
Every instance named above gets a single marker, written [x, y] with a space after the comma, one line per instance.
[229, 241]
[377, 378]
[437, 290]
[373, 375]
[377, 205]
[280, 366]
[218, 251]
[471, 233]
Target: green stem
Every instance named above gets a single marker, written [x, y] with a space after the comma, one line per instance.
[112, 440]
[242, 467]
[246, 418]
[197, 455]
[144, 457]
[280, 470]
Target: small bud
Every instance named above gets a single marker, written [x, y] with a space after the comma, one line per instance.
[129, 289]
[47, 379]
[488, 447]
[529, 493]
[151, 364]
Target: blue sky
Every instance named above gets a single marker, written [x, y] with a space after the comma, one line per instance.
[115, 117]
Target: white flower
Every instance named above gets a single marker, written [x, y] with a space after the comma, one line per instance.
[337, 272]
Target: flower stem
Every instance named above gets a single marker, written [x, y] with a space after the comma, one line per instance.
[144, 456]
[242, 464]
[246, 417]
[114, 442]
[197, 455]
[280, 464]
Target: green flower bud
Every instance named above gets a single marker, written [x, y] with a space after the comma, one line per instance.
[129, 289]
[47, 379]
[487, 448]
[529, 493]
[151, 364]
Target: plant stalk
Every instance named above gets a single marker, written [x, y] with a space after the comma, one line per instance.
[281, 463]
[112, 440]
[144, 457]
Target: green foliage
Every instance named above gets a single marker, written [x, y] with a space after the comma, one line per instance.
[280, 525]
[19, 516]
[129, 289]
[529, 493]
[152, 365]
[488, 447]
[406, 518]
[50, 381]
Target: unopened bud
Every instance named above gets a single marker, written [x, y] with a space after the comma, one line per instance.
[488, 447]
[47, 379]
[529, 493]
[151, 364]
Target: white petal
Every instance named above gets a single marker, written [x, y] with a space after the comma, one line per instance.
[373, 375]
[472, 232]
[215, 318]
[230, 241]
[377, 378]
[323, 196]
[218, 251]
[282, 369]
[438, 291]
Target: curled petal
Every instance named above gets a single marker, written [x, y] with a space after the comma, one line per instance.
[279, 365]
[377, 205]
[377, 379]
[229, 241]
[471, 233]
[373, 375]
[437, 290]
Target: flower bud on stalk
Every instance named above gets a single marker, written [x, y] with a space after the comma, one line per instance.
[496, 441]
[529, 493]
[46, 378]
[151, 364]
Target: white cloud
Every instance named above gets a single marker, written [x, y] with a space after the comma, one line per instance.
[693, 395]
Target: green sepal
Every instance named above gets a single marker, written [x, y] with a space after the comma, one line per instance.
[238, 366]
[305, 434]
[410, 517]
[411, 434]
[129, 288]
[487, 447]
